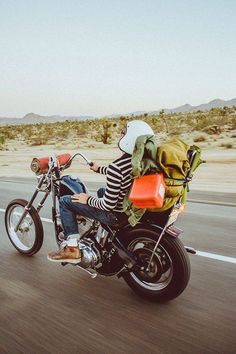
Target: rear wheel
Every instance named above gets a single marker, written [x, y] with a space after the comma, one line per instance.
[169, 271]
[28, 238]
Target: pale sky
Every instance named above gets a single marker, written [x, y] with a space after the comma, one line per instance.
[101, 57]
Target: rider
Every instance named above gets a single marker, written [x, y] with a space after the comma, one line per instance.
[107, 208]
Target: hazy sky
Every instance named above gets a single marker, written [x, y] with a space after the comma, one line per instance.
[101, 57]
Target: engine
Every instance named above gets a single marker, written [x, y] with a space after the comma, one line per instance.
[91, 255]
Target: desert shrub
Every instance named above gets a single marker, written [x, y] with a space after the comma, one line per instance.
[9, 133]
[27, 132]
[227, 145]
[38, 140]
[199, 139]
[213, 129]
[233, 122]
[201, 122]
[83, 129]
[60, 132]
[216, 116]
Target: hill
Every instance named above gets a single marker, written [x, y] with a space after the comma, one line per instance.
[217, 103]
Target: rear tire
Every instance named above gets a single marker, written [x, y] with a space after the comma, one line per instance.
[169, 271]
[28, 239]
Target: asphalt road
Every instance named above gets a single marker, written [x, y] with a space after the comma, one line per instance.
[47, 308]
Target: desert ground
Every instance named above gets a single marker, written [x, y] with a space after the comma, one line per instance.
[217, 174]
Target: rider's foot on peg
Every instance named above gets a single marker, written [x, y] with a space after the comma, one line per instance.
[67, 254]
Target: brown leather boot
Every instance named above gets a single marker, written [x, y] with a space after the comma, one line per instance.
[66, 254]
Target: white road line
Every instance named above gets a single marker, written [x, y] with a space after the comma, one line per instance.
[210, 202]
[218, 257]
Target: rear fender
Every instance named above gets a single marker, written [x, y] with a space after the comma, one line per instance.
[174, 231]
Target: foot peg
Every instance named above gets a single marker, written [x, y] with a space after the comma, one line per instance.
[92, 274]
[190, 250]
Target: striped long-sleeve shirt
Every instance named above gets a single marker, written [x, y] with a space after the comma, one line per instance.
[118, 181]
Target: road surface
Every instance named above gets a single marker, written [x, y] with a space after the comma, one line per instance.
[47, 308]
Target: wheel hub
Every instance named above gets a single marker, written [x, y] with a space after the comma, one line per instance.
[24, 227]
[149, 273]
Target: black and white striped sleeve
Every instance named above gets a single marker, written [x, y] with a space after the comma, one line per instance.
[109, 200]
[102, 170]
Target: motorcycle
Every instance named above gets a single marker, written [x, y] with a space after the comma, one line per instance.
[149, 257]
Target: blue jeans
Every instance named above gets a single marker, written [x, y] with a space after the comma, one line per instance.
[69, 209]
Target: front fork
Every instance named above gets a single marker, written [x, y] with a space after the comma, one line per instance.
[30, 203]
[55, 217]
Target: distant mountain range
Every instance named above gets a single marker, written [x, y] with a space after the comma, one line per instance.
[203, 107]
[217, 103]
[32, 118]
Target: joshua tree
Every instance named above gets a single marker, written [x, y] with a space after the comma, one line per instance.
[162, 117]
[2, 141]
[105, 135]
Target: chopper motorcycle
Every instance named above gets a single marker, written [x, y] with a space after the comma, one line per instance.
[149, 256]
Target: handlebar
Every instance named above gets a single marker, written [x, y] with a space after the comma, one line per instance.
[57, 163]
[89, 162]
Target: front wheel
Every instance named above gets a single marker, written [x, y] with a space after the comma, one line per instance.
[28, 238]
[169, 271]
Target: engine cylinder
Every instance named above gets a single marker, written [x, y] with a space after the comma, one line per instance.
[90, 254]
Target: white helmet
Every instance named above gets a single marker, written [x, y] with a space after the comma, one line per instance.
[134, 129]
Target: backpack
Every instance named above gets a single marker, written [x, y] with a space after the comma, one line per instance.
[175, 159]
[178, 161]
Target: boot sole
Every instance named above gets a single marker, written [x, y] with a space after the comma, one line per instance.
[65, 260]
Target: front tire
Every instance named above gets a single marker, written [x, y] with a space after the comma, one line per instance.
[169, 270]
[28, 238]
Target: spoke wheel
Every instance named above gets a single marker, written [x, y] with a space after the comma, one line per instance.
[167, 275]
[157, 274]
[28, 238]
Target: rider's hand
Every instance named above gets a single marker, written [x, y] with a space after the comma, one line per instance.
[81, 198]
[94, 167]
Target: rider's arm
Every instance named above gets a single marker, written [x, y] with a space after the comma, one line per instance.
[98, 169]
[102, 170]
[109, 200]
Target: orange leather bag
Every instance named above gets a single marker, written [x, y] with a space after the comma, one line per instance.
[148, 191]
